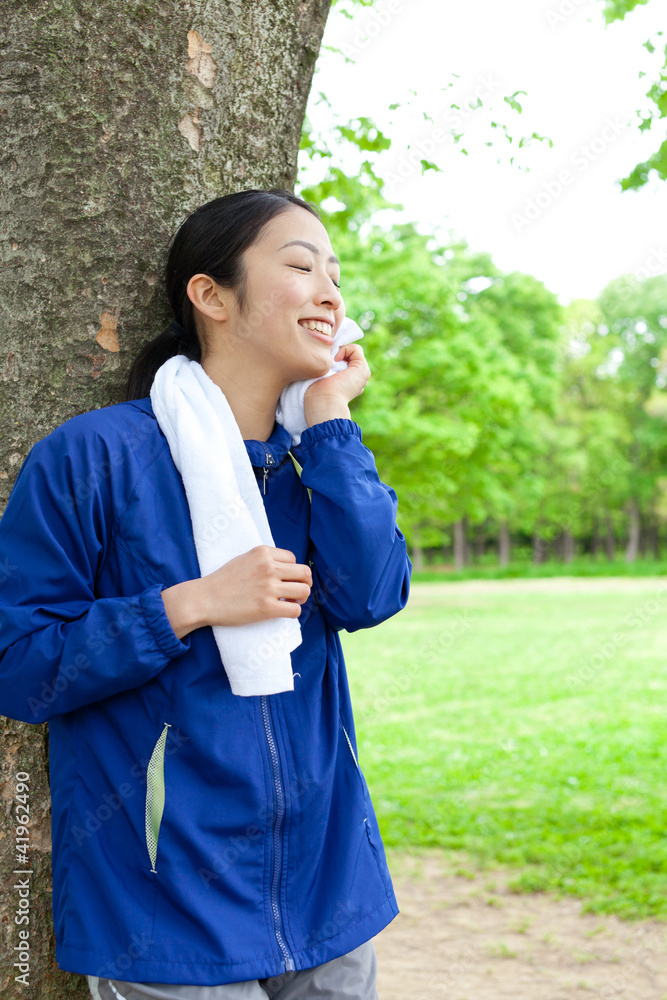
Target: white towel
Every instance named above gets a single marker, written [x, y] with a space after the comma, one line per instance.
[227, 513]
[289, 412]
[226, 507]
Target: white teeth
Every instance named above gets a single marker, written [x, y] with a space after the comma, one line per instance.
[313, 325]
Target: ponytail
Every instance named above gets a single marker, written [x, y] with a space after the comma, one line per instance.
[174, 340]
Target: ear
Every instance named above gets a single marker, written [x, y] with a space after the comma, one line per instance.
[207, 296]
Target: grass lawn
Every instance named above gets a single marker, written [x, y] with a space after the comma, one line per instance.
[524, 722]
[487, 568]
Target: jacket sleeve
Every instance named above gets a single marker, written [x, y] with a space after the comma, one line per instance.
[60, 647]
[361, 569]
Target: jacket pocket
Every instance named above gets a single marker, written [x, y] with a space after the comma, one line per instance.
[359, 774]
[155, 795]
[349, 743]
[380, 861]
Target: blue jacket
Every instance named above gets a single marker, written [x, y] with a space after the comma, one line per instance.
[198, 837]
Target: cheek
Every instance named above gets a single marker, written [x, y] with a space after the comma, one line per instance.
[274, 301]
[286, 291]
[293, 293]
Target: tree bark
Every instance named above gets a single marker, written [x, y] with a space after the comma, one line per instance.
[568, 546]
[653, 536]
[596, 540]
[467, 548]
[539, 548]
[504, 544]
[118, 120]
[121, 118]
[632, 546]
[417, 552]
[610, 540]
[479, 541]
[460, 546]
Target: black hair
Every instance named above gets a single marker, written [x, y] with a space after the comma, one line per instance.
[211, 241]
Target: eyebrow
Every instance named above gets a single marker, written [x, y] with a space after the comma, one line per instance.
[308, 246]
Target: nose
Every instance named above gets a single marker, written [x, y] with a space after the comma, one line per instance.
[329, 295]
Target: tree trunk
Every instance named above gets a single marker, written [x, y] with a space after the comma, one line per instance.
[610, 540]
[653, 537]
[478, 545]
[460, 546]
[644, 529]
[632, 547]
[557, 546]
[539, 548]
[568, 546]
[118, 120]
[596, 539]
[467, 548]
[504, 544]
[416, 552]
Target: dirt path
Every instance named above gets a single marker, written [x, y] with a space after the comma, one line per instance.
[460, 938]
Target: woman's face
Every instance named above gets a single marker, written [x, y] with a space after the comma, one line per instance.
[288, 283]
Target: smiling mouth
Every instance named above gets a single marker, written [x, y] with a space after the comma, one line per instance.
[316, 327]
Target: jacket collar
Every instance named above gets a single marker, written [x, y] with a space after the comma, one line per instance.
[277, 445]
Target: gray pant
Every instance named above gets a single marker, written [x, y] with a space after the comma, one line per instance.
[350, 977]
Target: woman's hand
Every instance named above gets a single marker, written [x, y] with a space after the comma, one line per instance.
[265, 582]
[338, 389]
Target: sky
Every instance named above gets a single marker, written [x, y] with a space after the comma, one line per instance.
[558, 212]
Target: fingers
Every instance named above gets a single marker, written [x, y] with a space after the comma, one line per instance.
[351, 349]
[300, 576]
[354, 355]
[297, 571]
[297, 592]
[282, 555]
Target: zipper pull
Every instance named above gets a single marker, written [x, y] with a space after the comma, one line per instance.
[270, 460]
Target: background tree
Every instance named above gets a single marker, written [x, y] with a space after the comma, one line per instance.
[635, 316]
[119, 118]
[615, 10]
[422, 416]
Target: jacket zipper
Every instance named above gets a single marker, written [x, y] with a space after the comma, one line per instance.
[289, 963]
[270, 460]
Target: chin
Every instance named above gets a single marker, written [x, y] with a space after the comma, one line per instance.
[323, 371]
[314, 370]
[312, 364]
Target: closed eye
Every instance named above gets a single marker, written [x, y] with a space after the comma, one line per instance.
[299, 268]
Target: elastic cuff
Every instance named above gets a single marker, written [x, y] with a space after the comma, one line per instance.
[157, 621]
[336, 427]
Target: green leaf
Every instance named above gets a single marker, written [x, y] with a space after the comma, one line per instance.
[513, 103]
[429, 165]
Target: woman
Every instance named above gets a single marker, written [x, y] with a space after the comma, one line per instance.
[209, 846]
